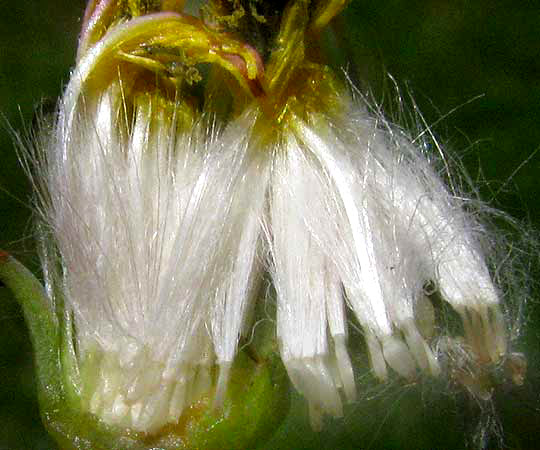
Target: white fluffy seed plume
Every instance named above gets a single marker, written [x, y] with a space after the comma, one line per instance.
[164, 224]
[161, 234]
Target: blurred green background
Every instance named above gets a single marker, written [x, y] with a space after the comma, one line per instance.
[480, 58]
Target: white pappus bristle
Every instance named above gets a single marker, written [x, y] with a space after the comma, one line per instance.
[157, 230]
[193, 158]
[162, 228]
[359, 220]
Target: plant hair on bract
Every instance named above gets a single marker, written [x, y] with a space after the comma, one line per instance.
[158, 223]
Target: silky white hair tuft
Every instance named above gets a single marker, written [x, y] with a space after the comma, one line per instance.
[165, 230]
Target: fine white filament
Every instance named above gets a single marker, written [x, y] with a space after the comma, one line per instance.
[164, 231]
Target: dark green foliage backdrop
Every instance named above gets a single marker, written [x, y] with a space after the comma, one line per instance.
[448, 53]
